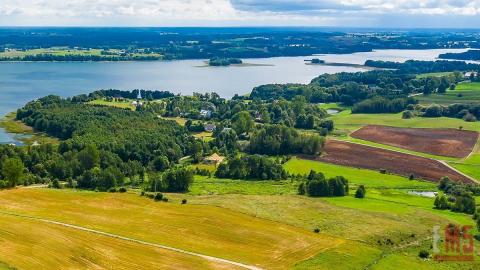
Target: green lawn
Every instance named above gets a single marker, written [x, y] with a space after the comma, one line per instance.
[465, 93]
[203, 185]
[127, 104]
[434, 74]
[356, 176]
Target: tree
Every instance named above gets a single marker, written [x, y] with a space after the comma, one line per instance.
[12, 170]
[89, 157]
[161, 163]
[361, 191]
[242, 122]
[442, 88]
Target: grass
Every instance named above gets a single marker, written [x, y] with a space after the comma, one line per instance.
[25, 133]
[433, 74]
[118, 104]
[206, 136]
[346, 122]
[57, 247]
[181, 121]
[465, 93]
[356, 176]
[204, 185]
[231, 235]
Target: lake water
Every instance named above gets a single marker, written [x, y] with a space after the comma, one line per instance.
[23, 82]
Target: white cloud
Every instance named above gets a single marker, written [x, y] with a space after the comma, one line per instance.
[232, 12]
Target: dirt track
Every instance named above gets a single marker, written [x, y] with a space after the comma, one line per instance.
[441, 142]
[366, 157]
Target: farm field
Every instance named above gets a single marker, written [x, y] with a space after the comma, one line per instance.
[346, 122]
[349, 228]
[231, 235]
[465, 93]
[57, 247]
[442, 142]
[361, 156]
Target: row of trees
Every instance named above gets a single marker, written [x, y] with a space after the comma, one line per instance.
[316, 185]
[253, 167]
[282, 140]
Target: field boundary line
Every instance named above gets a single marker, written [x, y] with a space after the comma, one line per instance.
[458, 171]
[475, 150]
[207, 257]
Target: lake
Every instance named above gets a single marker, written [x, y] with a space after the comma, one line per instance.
[26, 81]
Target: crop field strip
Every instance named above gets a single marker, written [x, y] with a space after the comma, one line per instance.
[441, 142]
[232, 235]
[374, 158]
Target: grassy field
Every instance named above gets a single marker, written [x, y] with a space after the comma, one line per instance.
[466, 93]
[346, 122]
[56, 247]
[356, 176]
[434, 74]
[127, 104]
[231, 235]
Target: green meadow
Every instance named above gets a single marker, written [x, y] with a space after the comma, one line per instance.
[466, 93]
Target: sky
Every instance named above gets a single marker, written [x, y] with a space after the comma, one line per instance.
[339, 13]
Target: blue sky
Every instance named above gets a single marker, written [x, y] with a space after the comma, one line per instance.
[347, 13]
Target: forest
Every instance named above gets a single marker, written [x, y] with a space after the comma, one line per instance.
[206, 43]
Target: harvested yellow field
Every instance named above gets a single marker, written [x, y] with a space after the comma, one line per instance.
[30, 244]
[204, 229]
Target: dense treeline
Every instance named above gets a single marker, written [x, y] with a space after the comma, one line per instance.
[102, 147]
[351, 88]
[224, 61]
[282, 140]
[316, 185]
[173, 180]
[146, 94]
[81, 58]
[417, 67]
[253, 167]
[468, 55]
[457, 196]
[238, 42]
[467, 112]
[382, 105]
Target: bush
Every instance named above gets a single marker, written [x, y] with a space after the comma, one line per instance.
[360, 193]
[424, 254]
[316, 230]
[112, 190]
[56, 184]
[165, 200]
[158, 197]
[184, 201]
[408, 115]
[123, 190]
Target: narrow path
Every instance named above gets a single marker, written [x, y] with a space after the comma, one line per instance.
[80, 228]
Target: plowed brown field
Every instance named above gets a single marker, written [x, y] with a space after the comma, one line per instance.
[367, 157]
[441, 142]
